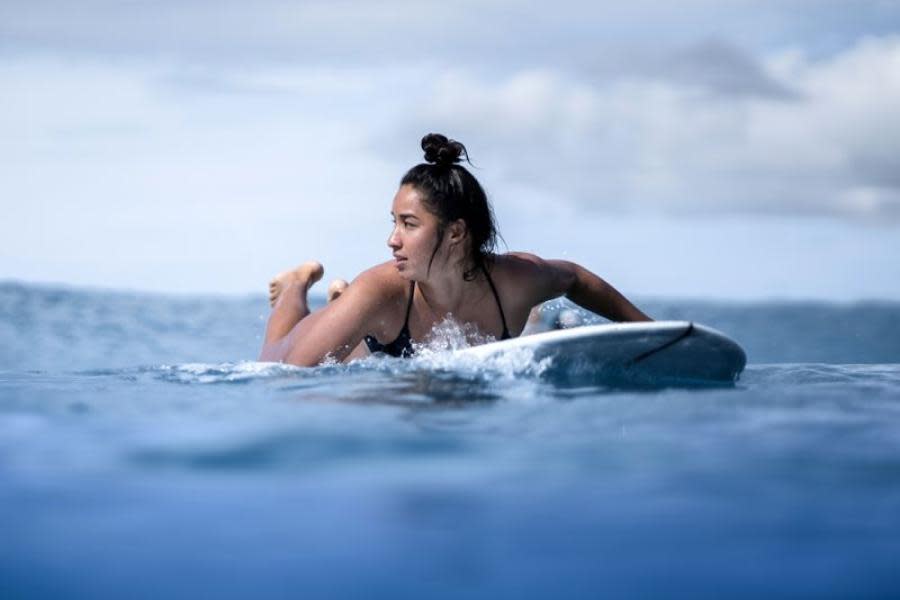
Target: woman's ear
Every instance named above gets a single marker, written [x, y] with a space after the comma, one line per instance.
[457, 231]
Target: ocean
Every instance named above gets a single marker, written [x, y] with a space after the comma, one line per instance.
[143, 453]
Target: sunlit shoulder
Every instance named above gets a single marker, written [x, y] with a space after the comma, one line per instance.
[383, 293]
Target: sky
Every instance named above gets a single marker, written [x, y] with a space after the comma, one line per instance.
[721, 150]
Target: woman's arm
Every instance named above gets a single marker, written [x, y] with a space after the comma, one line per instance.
[593, 293]
[336, 329]
[553, 278]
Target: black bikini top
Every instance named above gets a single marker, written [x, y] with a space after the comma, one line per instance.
[402, 346]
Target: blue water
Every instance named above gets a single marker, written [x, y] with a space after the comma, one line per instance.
[144, 454]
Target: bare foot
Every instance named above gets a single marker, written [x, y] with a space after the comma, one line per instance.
[306, 274]
[336, 288]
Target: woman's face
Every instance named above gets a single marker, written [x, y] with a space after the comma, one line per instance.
[414, 235]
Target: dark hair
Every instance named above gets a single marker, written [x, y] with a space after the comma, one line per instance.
[450, 192]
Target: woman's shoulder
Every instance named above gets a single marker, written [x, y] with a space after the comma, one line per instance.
[531, 275]
[382, 295]
[518, 264]
[382, 282]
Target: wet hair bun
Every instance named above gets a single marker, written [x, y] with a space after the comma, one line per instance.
[442, 151]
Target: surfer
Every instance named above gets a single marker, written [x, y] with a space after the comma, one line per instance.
[443, 242]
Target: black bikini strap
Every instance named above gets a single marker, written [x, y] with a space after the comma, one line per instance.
[412, 293]
[497, 298]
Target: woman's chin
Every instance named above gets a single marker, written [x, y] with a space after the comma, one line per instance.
[403, 269]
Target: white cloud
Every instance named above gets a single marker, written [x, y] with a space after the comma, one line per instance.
[830, 144]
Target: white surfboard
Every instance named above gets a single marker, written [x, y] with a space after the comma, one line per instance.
[654, 353]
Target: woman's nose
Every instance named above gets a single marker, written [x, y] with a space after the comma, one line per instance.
[393, 240]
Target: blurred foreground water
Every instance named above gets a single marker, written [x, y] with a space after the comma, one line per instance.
[143, 453]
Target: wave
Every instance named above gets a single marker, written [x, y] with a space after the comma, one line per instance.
[54, 329]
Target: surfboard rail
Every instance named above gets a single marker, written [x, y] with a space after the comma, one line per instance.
[652, 353]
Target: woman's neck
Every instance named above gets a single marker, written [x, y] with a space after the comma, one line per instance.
[447, 292]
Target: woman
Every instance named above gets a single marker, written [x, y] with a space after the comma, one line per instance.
[442, 241]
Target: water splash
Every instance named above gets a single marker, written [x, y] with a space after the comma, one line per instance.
[439, 352]
[450, 334]
[241, 372]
